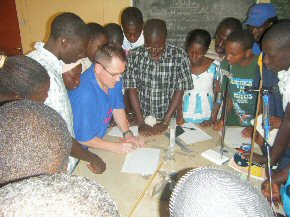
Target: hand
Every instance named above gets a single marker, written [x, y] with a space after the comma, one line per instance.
[275, 122]
[146, 130]
[180, 121]
[138, 142]
[257, 158]
[248, 132]
[97, 165]
[218, 125]
[206, 124]
[265, 188]
[160, 127]
[124, 147]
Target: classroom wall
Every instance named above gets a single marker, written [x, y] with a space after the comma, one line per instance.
[35, 16]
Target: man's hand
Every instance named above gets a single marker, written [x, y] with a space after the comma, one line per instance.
[265, 188]
[146, 130]
[218, 125]
[180, 121]
[248, 132]
[138, 142]
[206, 123]
[257, 158]
[123, 147]
[159, 128]
[97, 165]
[275, 122]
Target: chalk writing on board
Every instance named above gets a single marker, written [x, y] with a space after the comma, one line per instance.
[283, 8]
[181, 16]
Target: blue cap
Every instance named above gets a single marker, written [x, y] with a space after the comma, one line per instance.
[260, 13]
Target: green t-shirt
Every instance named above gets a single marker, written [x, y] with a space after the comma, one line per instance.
[244, 104]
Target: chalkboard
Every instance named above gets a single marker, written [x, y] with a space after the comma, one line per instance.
[181, 16]
[283, 8]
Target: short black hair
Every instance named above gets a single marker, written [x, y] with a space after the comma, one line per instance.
[229, 23]
[115, 33]
[105, 54]
[243, 37]
[22, 75]
[96, 30]
[70, 26]
[34, 140]
[131, 15]
[279, 35]
[199, 36]
[156, 27]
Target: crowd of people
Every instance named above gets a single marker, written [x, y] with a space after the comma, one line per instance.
[60, 99]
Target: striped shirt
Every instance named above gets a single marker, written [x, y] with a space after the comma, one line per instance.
[157, 81]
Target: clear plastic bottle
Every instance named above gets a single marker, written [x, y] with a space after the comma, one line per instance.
[172, 137]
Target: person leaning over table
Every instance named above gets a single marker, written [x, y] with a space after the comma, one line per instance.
[156, 77]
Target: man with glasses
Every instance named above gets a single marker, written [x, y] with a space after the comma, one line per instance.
[156, 76]
[98, 98]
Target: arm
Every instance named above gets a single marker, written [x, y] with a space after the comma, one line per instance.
[97, 165]
[180, 119]
[163, 125]
[122, 123]
[282, 138]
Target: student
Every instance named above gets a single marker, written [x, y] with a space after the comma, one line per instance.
[25, 78]
[115, 34]
[98, 37]
[276, 47]
[224, 29]
[198, 103]
[260, 18]
[161, 73]
[132, 24]
[34, 140]
[240, 64]
[67, 43]
[98, 98]
[56, 195]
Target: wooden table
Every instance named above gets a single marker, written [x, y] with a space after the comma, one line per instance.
[125, 188]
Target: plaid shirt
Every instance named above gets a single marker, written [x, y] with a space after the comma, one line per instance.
[157, 81]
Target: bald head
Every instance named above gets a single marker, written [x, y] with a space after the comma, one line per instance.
[155, 28]
[34, 140]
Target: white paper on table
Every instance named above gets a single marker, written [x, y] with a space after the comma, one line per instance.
[234, 138]
[272, 133]
[143, 161]
[193, 136]
[115, 131]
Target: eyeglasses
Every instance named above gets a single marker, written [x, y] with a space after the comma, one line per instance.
[112, 74]
[155, 48]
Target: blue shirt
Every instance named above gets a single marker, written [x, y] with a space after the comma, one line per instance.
[92, 107]
[270, 80]
[256, 49]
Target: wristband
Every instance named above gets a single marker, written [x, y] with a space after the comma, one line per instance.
[129, 132]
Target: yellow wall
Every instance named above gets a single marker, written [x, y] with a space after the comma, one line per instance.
[35, 16]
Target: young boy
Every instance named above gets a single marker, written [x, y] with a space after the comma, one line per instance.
[132, 24]
[240, 64]
[260, 18]
[115, 34]
[67, 43]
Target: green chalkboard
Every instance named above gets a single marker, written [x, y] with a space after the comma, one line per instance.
[181, 16]
[283, 8]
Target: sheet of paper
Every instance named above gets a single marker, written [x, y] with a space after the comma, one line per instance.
[143, 161]
[272, 133]
[234, 138]
[214, 156]
[195, 135]
[115, 131]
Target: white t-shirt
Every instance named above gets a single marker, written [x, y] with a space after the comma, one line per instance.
[127, 45]
[57, 93]
[284, 86]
